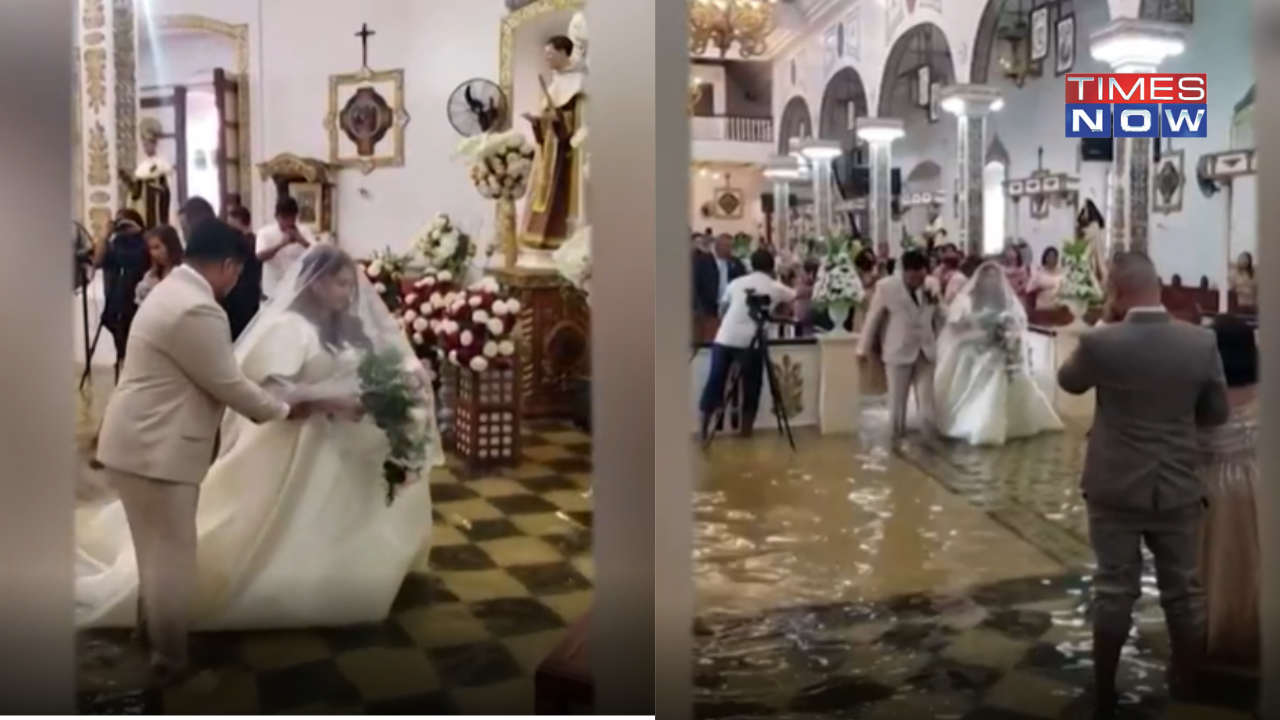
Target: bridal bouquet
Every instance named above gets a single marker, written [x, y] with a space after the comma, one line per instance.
[501, 164]
[1006, 336]
[478, 329]
[423, 308]
[387, 270]
[391, 393]
[443, 246]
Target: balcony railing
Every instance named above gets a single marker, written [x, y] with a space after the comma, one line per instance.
[729, 128]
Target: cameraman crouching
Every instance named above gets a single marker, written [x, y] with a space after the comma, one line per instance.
[123, 258]
[732, 345]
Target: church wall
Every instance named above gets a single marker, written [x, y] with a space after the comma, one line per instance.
[439, 45]
[295, 45]
[703, 185]
[1189, 242]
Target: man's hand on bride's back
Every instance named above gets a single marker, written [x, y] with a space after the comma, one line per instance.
[348, 408]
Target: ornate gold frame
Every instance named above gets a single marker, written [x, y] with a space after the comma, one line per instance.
[239, 36]
[368, 77]
[505, 219]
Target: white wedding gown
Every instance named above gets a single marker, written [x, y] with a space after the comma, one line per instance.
[979, 401]
[294, 528]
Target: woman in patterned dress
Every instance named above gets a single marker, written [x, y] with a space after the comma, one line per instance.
[1230, 473]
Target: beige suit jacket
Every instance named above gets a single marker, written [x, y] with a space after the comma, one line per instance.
[900, 329]
[178, 377]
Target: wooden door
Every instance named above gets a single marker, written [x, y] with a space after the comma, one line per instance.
[226, 90]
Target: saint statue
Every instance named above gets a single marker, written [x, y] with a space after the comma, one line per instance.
[150, 184]
[1089, 227]
[554, 205]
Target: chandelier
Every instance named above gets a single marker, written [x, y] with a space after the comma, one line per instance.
[722, 24]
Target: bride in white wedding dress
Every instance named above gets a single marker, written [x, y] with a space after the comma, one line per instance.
[294, 524]
[985, 393]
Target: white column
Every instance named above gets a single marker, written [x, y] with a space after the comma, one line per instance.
[971, 104]
[879, 134]
[1133, 46]
[820, 154]
[782, 171]
[106, 112]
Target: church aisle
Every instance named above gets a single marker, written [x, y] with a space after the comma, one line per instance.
[510, 569]
[841, 581]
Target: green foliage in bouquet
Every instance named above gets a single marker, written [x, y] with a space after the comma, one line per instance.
[391, 396]
[743, 244]
[1079, 283]
[385, 270]
[838, 283]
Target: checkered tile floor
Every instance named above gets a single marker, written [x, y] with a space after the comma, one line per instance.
[509, 569]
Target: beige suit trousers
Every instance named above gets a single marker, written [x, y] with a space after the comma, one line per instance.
[162, 521]
[902, 379]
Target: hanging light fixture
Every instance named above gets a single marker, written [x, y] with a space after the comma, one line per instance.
[725, 24]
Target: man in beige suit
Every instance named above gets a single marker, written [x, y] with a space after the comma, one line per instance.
[161, 424]
[1156, 381]
[902, 328]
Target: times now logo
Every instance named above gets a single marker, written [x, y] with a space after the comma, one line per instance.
[1138, 105]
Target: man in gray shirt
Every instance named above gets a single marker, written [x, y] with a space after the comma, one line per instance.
[1156, 380]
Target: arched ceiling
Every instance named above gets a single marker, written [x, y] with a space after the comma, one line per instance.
[924, 44]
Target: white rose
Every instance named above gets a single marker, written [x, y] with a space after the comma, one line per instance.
[466, 338]
[445, 276]
[435, 326]
[479, 364]
[418, 339]
[411, 299]
[425, 309]
[474, 301]
[453, 356]
[427, 282]
[410, 316]
[480, 317]
[513, 306]
[420, 324]
[490, 349]
[419, 416]
[495, 326]
[380, 288]
[506, 348]
[500, 307]
[375, 269]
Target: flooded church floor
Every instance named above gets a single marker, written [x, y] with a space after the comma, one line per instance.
[834, 582]
[948, 582]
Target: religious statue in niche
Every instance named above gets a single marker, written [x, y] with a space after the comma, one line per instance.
[554, 205]
[149, 185]
[366, 117]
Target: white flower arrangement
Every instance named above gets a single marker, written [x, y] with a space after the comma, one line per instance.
[573, 260]
[443, 246]
[838, 284]
[1080, 284]
[501, 164]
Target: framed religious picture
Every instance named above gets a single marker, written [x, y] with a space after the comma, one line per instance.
[728, 204]
[310, 197]
[924, 80]
[1064, 58]
[935, 102]
[366, 120]
[1168, 182]
[1039, 34]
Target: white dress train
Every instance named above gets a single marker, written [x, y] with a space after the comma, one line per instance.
[979, 401]
[294, 529]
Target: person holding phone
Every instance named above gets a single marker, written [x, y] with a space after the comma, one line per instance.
[280, 244]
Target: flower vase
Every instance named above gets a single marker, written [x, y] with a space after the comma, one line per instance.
[1078, 309]
[839, 315]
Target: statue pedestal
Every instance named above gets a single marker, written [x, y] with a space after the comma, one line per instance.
[554, 336]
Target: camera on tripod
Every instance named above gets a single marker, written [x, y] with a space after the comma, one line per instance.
[759, 306]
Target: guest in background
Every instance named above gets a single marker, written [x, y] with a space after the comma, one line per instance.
[805, 281]
[951, 281]
[1230, 476]
[164, 249]
[1244, 283]
[884, 259]
[712, 274]
[1015, 270]
[122, 258]
[243, 301]
[280, 244]
[969, 265]
[1025, 252]
[1046, 280]
[194, 212]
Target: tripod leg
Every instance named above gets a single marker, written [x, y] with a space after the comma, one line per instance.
[775, 396]
[713, 421]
